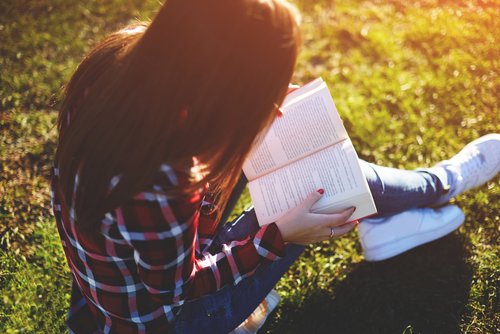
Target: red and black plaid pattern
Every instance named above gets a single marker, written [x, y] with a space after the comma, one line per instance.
[150, 256]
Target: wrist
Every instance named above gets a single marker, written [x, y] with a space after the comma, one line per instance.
[282, 229]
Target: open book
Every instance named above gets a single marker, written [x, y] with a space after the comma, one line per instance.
[306, 149]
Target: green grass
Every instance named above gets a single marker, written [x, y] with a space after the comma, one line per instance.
[414, 81]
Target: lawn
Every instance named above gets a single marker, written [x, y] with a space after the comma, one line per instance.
[413, 80]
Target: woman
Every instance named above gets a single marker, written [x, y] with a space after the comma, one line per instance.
[154, 127]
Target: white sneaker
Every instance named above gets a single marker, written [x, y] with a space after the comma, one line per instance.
[257, 319]
[477, 163]
[382, 238]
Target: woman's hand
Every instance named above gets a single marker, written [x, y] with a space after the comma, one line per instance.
[300, 226]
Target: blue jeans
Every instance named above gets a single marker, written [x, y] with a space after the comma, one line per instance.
[393, 190]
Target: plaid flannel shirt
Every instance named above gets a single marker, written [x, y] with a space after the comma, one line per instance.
[150, 255]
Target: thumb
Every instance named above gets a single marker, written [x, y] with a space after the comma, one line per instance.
[312, 198]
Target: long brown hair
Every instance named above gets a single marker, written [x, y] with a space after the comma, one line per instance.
[199, 81]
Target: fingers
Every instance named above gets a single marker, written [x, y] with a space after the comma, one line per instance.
[343, 229]
[312, 198]
[301, 226]
[339, 231]
[343, 216]
[333, 219]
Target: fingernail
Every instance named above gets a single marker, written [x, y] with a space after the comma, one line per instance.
[356, 222]
[321, 191]
[279, 112]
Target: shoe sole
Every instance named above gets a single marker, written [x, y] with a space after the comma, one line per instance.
[384, 252]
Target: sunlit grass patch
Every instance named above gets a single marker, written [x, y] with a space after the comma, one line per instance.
[35, 291]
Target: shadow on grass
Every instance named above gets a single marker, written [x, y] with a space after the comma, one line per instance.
[426, 288]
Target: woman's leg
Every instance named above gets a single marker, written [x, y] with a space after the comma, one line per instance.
[397, 190]
[408, 191]
[393, 190]
[224, 310]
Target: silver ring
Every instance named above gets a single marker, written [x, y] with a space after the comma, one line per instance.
[332, 232]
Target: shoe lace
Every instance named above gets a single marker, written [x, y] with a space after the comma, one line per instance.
[470, 163]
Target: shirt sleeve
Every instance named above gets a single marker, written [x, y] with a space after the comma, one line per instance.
[163, 235]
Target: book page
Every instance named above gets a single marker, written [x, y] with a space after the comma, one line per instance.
[310, 122]
[335, 169]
